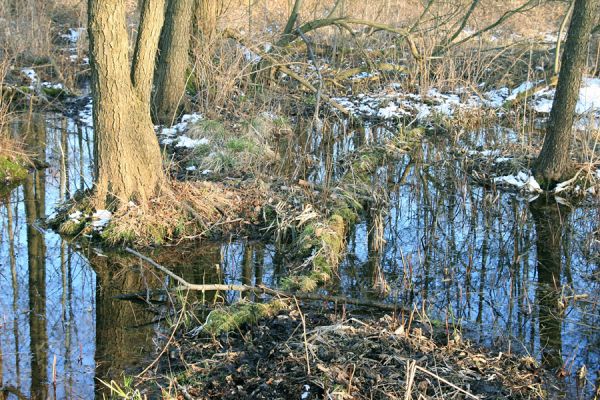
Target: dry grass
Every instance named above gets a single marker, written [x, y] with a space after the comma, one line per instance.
[186, 211]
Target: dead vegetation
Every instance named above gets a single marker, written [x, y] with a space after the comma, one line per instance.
[307, 351]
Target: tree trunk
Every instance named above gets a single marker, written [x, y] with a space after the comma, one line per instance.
[128, 159]
[206, 13]
[170, 79]
[553, 162]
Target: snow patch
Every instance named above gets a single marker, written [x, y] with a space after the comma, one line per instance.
[100, 219]
[188, 142]
[524, 180]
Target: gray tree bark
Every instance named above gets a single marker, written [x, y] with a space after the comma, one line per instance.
[173, 61]
[553, 163]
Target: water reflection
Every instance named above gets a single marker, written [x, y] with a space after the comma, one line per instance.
[34, 190]
[488, 260]
[507, 269]
[548, 216]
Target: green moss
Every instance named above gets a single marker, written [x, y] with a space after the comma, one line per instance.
[11, 171]
[71, 227]
[208, 128]
[232, 318]
[55, 92]
[112, 236]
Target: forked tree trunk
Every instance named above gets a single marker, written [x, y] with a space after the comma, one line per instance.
[170, 79]
[128, 159]
[553, 162]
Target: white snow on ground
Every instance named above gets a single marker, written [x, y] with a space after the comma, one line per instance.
[76, 216]
[100, 219]
[173, 134]
[31, 75]
[589, 98]
[73, 35]
[524, 180]
[392, 103]
[53, 85]
[185, 141]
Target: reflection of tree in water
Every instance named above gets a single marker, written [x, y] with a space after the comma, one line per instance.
[125, 331]
[549, 217]
[35, 208]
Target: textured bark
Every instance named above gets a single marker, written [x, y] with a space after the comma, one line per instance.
[173, 61]
[128, 159]
[142, 71]
[206, 13]
[553, 162]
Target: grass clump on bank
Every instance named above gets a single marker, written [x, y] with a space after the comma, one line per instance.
[11, 171]
[184, 211]
[233, 318]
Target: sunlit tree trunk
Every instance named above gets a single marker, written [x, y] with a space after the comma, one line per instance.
[553, 162]
[170, 79]
[128, 165]
[206, 14]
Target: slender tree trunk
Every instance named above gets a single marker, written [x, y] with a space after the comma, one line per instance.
[553, 162]
[128, 165]
[170, 79]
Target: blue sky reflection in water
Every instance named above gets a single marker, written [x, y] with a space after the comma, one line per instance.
[462, 252]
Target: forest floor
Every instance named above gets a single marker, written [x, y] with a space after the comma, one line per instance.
[313, 351]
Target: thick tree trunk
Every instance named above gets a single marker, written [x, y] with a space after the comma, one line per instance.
[206, 14]
[170, 80]
[128, 164]
[553, 162]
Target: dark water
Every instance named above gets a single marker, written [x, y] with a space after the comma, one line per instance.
[505, 268]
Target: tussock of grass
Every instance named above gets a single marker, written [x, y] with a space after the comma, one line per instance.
[233, 152]
[185, 210]
[11, 171]
[232, 318]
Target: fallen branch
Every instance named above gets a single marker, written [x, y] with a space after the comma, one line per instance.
[261, 289]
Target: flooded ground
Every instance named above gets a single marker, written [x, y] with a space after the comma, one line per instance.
[517, 275]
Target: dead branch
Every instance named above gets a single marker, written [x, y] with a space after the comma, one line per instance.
[261, 289]
[237, 37]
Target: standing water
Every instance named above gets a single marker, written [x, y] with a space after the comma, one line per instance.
[518, 275]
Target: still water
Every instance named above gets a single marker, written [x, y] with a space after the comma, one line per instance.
[517, 275]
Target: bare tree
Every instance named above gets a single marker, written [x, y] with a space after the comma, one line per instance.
[173, 61]
[553, 162]
[128, 156]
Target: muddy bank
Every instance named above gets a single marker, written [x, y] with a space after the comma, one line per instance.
[313, 351]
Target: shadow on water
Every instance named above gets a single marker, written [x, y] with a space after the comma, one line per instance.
[512, 273]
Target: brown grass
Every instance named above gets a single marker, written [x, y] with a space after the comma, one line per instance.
[188, 210]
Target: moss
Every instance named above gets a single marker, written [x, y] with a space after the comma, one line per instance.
[55, 92]
[113, 236]
[207, 128]
[232, 318]
[71, 227]
[11, 171]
